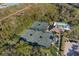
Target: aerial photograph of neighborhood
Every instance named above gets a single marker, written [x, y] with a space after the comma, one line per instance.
[39, 29]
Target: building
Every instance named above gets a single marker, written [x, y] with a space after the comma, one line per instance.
[37, 35]
[41, 38]
[39, 26]
[58, 27]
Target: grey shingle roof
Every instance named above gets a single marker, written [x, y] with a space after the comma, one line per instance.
[38, 35]
[44, 40]
[41, 26]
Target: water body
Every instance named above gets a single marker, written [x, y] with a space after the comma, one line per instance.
[5, 5]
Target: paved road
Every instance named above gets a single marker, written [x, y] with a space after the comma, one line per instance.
[15, 13]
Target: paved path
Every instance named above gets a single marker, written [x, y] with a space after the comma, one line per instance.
[15, 13]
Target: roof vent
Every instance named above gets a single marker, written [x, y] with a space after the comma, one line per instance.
[39, 24]
[30, 34]
[51, 37]
[40, 36]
